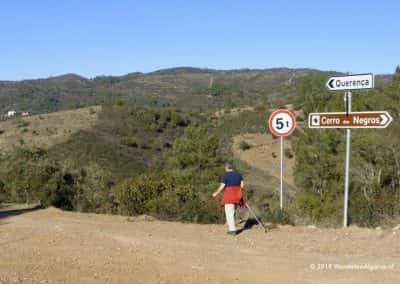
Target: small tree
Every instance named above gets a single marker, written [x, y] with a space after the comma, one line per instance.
[197, 149]
[244, 146]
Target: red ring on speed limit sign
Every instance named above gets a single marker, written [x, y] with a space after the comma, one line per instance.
[287, 122]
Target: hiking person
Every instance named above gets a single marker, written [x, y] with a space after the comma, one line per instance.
[232, 186]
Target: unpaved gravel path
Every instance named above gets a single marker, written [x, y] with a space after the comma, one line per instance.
[53, 246]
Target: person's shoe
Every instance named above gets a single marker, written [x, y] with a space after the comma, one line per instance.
[232, 233]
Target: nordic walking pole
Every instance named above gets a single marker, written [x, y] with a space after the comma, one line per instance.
[255, 216]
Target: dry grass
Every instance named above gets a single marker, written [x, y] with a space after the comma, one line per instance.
[261, 154]
[233, 111]
[46, 130]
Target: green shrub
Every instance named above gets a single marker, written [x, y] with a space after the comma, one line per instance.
[196, 149]
[145, 146]
[178, 120]
[183, 191]
[133, 195]
[279, 216]
[310, 206]
[288, 153]
[130, 142]
[157, 195]
[244, 146]
[29, 175]
[3, 193]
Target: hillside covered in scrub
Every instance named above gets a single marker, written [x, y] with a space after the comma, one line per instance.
[155, 144]
[186, 88]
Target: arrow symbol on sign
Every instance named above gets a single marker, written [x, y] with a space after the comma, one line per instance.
[350, 82]
[386, 118]
[330, 83]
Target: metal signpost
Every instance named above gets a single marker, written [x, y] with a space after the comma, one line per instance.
[282, 123]
[348, 83]
[348, 119]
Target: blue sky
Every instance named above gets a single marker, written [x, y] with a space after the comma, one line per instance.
[49, 38]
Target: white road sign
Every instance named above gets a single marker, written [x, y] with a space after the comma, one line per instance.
[282, 122]
[351, 82]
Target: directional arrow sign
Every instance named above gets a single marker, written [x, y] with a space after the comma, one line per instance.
[352, 82]
[368, 119]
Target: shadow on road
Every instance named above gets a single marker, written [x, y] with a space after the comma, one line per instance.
[5, 213]
[250, 222]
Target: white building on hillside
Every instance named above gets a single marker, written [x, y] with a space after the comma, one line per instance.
[11, 113]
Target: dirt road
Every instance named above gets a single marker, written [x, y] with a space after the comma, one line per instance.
[52, 246]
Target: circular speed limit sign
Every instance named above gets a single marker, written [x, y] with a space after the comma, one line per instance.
[282, 122]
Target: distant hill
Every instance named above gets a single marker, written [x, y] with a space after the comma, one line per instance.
[184, 86]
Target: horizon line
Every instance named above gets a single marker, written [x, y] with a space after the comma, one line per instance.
[177, 68]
